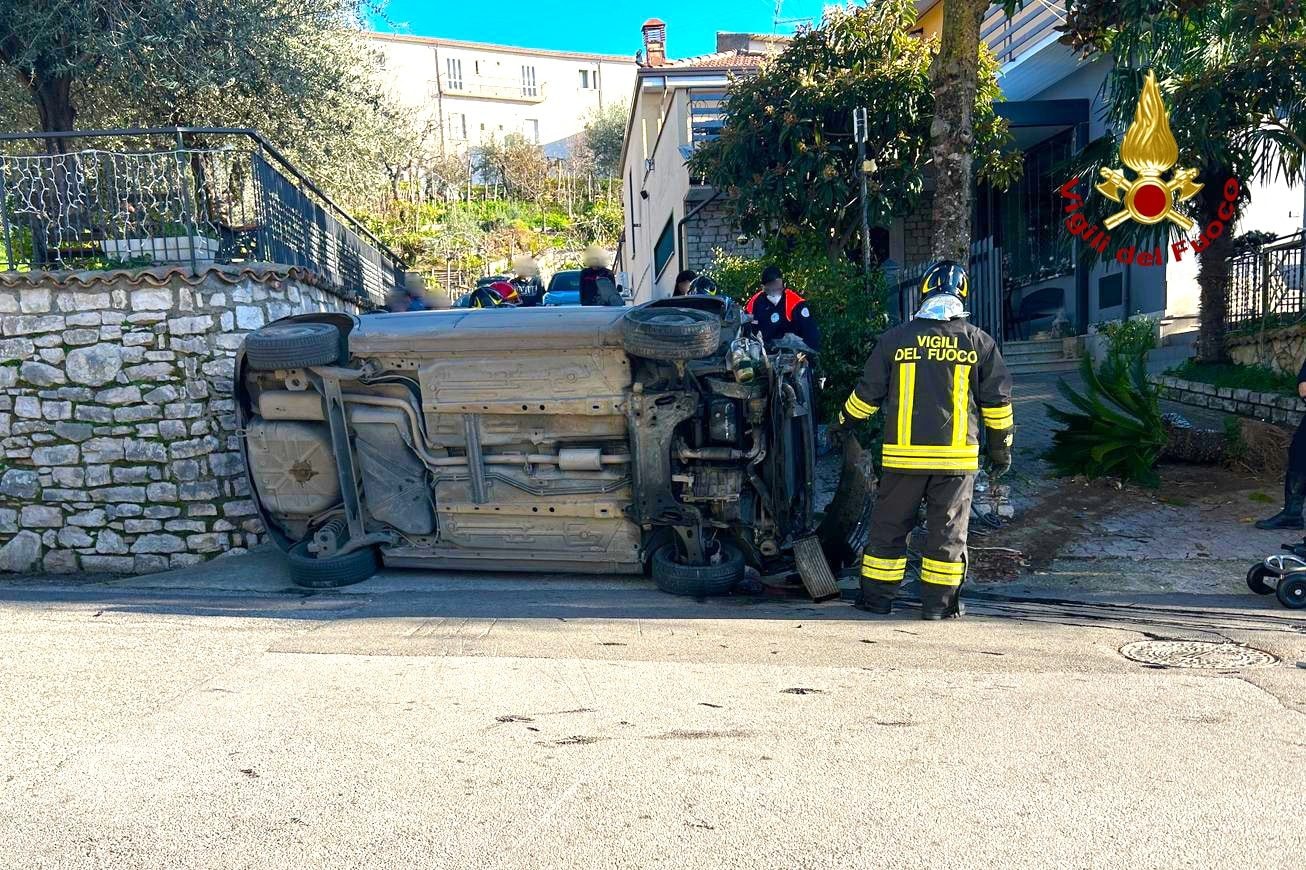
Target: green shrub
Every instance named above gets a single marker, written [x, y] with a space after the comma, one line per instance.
[1237, 377]
[848, 306]
[1116, 429]
[1131, 338]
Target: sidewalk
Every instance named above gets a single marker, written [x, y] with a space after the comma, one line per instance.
[1193, 534]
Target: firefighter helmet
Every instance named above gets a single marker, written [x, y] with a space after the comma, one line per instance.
[703, 286]
[947, 277]
[507, 292]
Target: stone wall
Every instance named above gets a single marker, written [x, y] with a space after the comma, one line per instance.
[916, 229]
[116, 414]
[1270, 407]
[1283, 350]
[714, 229]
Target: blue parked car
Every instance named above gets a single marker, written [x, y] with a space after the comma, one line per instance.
[564, 288]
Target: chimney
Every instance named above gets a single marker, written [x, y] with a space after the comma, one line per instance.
[655, 42]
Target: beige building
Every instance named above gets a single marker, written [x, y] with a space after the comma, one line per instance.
[470, 93]
[674, 221]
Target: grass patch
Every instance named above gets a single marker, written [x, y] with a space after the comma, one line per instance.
[1256, 378]
[1260, 498]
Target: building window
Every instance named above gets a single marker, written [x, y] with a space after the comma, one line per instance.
[458, 126]
[1110, 291]
[665, 248]
[528, 86]
[531, 130]
[453, 68]
[1033, 235]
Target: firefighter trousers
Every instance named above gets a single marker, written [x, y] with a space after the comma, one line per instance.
[947, 500]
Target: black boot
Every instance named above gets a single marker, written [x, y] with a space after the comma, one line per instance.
[940, 602]
[876, 596]
[1294, 496]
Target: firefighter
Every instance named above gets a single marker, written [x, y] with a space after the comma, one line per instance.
[929, 375]
[526, 281]
[779, 311]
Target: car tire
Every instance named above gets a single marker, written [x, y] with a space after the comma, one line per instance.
[699, 581]
[332, 572]
[670, 334]
[1292, 591]
[1256, 580]
[292, 346]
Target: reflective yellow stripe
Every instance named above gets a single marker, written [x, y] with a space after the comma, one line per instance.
[906, 399]
[883, 575]
[931, 450]
[940, 579]
[955, 568]
[901, 464]
[1001, 417]
[877, 562]
[960, 405]
[857, 408]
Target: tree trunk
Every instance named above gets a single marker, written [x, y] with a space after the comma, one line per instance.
[1213, 271]
[52, 93]
[956, 81]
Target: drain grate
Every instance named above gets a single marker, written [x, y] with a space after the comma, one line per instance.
[1209, 655]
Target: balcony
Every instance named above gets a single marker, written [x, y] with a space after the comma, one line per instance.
[1031, 28]
[485, 88]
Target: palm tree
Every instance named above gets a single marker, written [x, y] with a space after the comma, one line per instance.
[1234, 76]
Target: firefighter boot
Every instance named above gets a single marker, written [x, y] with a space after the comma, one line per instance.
[876, 596]
[1294, 497]
[940, 602]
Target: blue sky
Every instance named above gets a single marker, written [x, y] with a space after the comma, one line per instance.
[585, 25]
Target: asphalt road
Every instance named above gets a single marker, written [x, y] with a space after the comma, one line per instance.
[219, 720]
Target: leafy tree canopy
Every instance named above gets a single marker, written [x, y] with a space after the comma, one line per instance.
[602, 138]
[787, 156]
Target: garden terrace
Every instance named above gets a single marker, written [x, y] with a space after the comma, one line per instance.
[122, 199]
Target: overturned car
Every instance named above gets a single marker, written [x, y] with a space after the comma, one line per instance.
[659, 438]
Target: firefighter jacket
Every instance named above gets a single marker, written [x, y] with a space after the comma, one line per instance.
[929, 376]
[791, 315]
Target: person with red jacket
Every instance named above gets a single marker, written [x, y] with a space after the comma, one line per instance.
[779, 311]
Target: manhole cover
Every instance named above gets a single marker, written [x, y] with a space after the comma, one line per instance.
[1196, 654]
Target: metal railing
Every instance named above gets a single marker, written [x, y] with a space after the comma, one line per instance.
[1009, 38]
[1267, 286]
[985, 301]
[212, 195]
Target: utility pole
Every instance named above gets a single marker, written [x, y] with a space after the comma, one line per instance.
[861, 132]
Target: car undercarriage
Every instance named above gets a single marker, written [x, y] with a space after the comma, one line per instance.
[596, 440]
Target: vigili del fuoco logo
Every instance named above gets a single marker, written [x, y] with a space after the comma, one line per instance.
[1150, 150]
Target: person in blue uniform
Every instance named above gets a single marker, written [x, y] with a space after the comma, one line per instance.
[779, 311]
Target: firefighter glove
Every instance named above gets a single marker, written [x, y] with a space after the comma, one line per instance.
[999, 452]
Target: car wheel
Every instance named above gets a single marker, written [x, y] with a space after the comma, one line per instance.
[292, 346]
[670, 333]
[1256, 580]
[676, 578]
[333, 571]
[1292, 591]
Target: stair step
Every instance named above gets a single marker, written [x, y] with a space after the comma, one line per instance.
[1017, 346]
[1058, 366]
[1033, 355]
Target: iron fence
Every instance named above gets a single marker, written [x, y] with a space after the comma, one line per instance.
[985, 299]
[1268, 285]
[209, 196]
